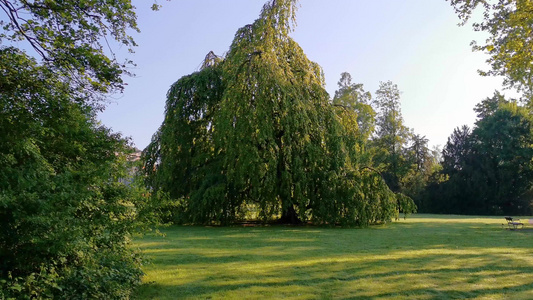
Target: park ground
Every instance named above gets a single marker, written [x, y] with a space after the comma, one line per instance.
[422, 257]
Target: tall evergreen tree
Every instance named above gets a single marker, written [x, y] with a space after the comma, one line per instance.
[419, 154]
[457, 149]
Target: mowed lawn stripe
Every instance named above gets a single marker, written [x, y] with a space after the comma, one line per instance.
[425, 257]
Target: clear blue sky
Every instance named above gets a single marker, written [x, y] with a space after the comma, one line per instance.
[414, 43]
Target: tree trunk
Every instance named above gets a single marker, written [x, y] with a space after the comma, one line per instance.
[289, 216]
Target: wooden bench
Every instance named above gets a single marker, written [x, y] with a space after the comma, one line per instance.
[514, 223]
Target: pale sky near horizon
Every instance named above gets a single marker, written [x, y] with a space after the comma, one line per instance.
[414, 43]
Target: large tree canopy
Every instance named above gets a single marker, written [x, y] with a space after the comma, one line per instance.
[257, 129]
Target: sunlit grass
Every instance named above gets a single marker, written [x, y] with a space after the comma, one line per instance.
[423, 257]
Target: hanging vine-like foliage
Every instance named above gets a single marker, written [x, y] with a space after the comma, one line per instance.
[256, 129]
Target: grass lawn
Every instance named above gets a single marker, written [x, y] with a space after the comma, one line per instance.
[423, 257]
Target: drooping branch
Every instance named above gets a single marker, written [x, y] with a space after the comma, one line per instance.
[277, 143]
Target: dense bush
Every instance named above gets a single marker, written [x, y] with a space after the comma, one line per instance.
[65, 215]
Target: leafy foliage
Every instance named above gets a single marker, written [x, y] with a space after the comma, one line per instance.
[353, 96]
[510, 44]
[74, 37]
[405, 168]
[66, 214]
[423, 170]
[391, 135]
[189, 165]
[257, 129]
[489, 168]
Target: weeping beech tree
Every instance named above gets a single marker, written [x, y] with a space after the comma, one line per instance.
[256, 129]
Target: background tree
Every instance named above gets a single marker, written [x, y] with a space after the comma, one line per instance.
[457, 150]
[489, 168]
[353, 96]
[392, 155]
[445, 192]
[423, 164]
[504, 149]
[421, 155]
[357, 120]
[391, 135]
[510, 41]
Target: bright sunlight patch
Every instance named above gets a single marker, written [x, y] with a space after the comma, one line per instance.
[425, 257]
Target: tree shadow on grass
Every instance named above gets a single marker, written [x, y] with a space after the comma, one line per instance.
[526, 291]
[352, 281]
[429, 260]
[355, 277]
[400, 235]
